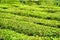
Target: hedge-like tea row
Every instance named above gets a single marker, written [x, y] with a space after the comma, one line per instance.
[40, 8]
[52, 23]
[37, 14]
[28, 28]
[6, 34]
[33, 7]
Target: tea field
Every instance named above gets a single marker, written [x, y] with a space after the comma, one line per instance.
[29, 21]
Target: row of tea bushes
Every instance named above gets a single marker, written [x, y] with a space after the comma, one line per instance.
[51, 23]
[35, 14]
[6, 34]
[49, 9]
[28, 28]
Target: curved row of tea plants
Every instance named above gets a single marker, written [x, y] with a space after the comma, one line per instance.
[51, 9]
[6, 34]
[51, 23]
[28, 28]
[35, 14]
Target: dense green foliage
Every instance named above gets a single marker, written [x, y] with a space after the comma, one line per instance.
[29, 20]
[26, 27]
[6, 34]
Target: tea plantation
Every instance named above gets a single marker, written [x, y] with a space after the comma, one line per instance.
[29, 20]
